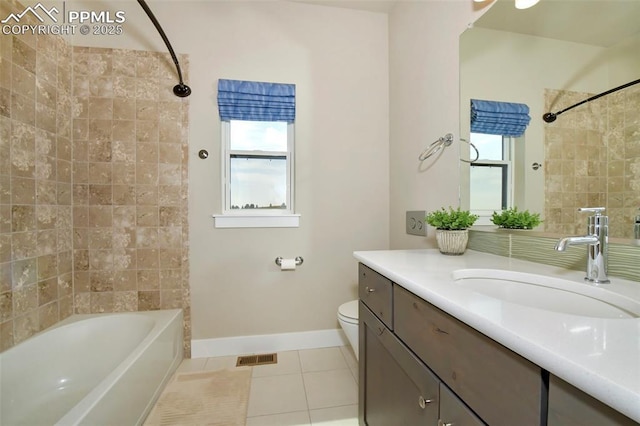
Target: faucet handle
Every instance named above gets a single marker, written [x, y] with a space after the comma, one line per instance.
[597, 210]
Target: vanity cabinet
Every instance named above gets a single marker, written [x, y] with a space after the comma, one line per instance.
[569, 406]
[396, 387]
[421, 366]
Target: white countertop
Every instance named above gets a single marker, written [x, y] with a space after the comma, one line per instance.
[600, 356]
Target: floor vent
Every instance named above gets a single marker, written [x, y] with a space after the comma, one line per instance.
[261, 359]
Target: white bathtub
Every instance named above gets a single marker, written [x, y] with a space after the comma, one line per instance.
[104, 369]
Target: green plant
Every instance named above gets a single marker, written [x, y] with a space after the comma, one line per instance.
[514, 219]
[451, 219]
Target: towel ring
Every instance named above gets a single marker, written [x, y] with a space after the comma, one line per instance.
[436, 146]
[474, 148]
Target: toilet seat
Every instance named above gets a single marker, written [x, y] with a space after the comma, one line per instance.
[348, 312]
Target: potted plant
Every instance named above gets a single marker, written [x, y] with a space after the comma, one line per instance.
[452, 232]
[514, 219]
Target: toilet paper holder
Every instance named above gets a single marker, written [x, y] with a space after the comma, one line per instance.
[299, 260]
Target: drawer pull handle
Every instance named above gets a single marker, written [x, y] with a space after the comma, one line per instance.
[439, 330]
[423, 402]
[369, 290]
[441, 423]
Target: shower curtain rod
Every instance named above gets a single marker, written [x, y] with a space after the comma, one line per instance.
[181, 89]
[550, 117]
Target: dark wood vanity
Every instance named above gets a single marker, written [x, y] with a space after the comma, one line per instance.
[421, 366]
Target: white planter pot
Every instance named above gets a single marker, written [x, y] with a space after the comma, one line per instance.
[452, 242]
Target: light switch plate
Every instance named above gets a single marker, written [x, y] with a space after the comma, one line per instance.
[415, 223]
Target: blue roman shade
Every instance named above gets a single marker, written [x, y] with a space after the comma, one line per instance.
[499, 118]
[256, 101]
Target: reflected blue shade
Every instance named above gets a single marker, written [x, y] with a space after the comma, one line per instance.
[258, 182]
[499, 118]
[258, 135]
[486, 188]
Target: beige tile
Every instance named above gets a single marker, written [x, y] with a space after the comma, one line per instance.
[288, 363]
[346, 415]
[221, 363]
[191, 365]
[276, 394]
[352, 362]
[330, 388]
[322, 359]
[349, 356]
[298, 418]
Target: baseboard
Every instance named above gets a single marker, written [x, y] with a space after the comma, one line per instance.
[225, 346]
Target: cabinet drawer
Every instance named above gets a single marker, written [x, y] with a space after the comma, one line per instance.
[500, 386]
[395, 387]
[376, 292]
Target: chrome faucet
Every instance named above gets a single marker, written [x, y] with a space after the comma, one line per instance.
[597, 241]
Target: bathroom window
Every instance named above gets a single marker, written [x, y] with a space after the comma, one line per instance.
[257, 141]
[258, 167]
[491, 176]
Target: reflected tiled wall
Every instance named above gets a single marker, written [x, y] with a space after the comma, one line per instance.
[93, 183]
[592, 157]
[35, 183]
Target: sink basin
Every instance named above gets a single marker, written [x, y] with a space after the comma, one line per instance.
[548, 293]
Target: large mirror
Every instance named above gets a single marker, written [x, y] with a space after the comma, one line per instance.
[550, 57]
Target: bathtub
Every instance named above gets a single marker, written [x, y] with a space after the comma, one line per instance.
[103, 369]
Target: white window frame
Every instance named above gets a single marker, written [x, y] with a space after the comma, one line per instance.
[258, 218]
[508, 154]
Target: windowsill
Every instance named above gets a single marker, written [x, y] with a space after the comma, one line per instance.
[256, 221]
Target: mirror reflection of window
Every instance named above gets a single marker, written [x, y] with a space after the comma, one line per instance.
[491, 176]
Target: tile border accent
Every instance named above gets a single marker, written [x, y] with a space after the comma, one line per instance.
[623, 258]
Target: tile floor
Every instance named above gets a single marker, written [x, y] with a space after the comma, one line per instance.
[306, 387]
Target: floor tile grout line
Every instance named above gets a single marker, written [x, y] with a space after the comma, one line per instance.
[304, 385]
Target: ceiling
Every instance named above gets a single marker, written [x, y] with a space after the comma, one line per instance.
[381, 6]
[594, 22]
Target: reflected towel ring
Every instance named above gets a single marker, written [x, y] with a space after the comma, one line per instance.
[474, 148]
[437, 146]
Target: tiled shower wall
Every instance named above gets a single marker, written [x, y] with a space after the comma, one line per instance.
[130, 227]
[93, 180]
[592, 157]
[35, 183]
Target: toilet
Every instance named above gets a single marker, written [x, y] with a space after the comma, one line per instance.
[348, 319]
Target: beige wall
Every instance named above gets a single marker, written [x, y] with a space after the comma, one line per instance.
[337, 59]
[424, 98]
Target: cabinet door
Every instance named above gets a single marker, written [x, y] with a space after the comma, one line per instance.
[569, 406]
[453, 412]
[395, 388]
